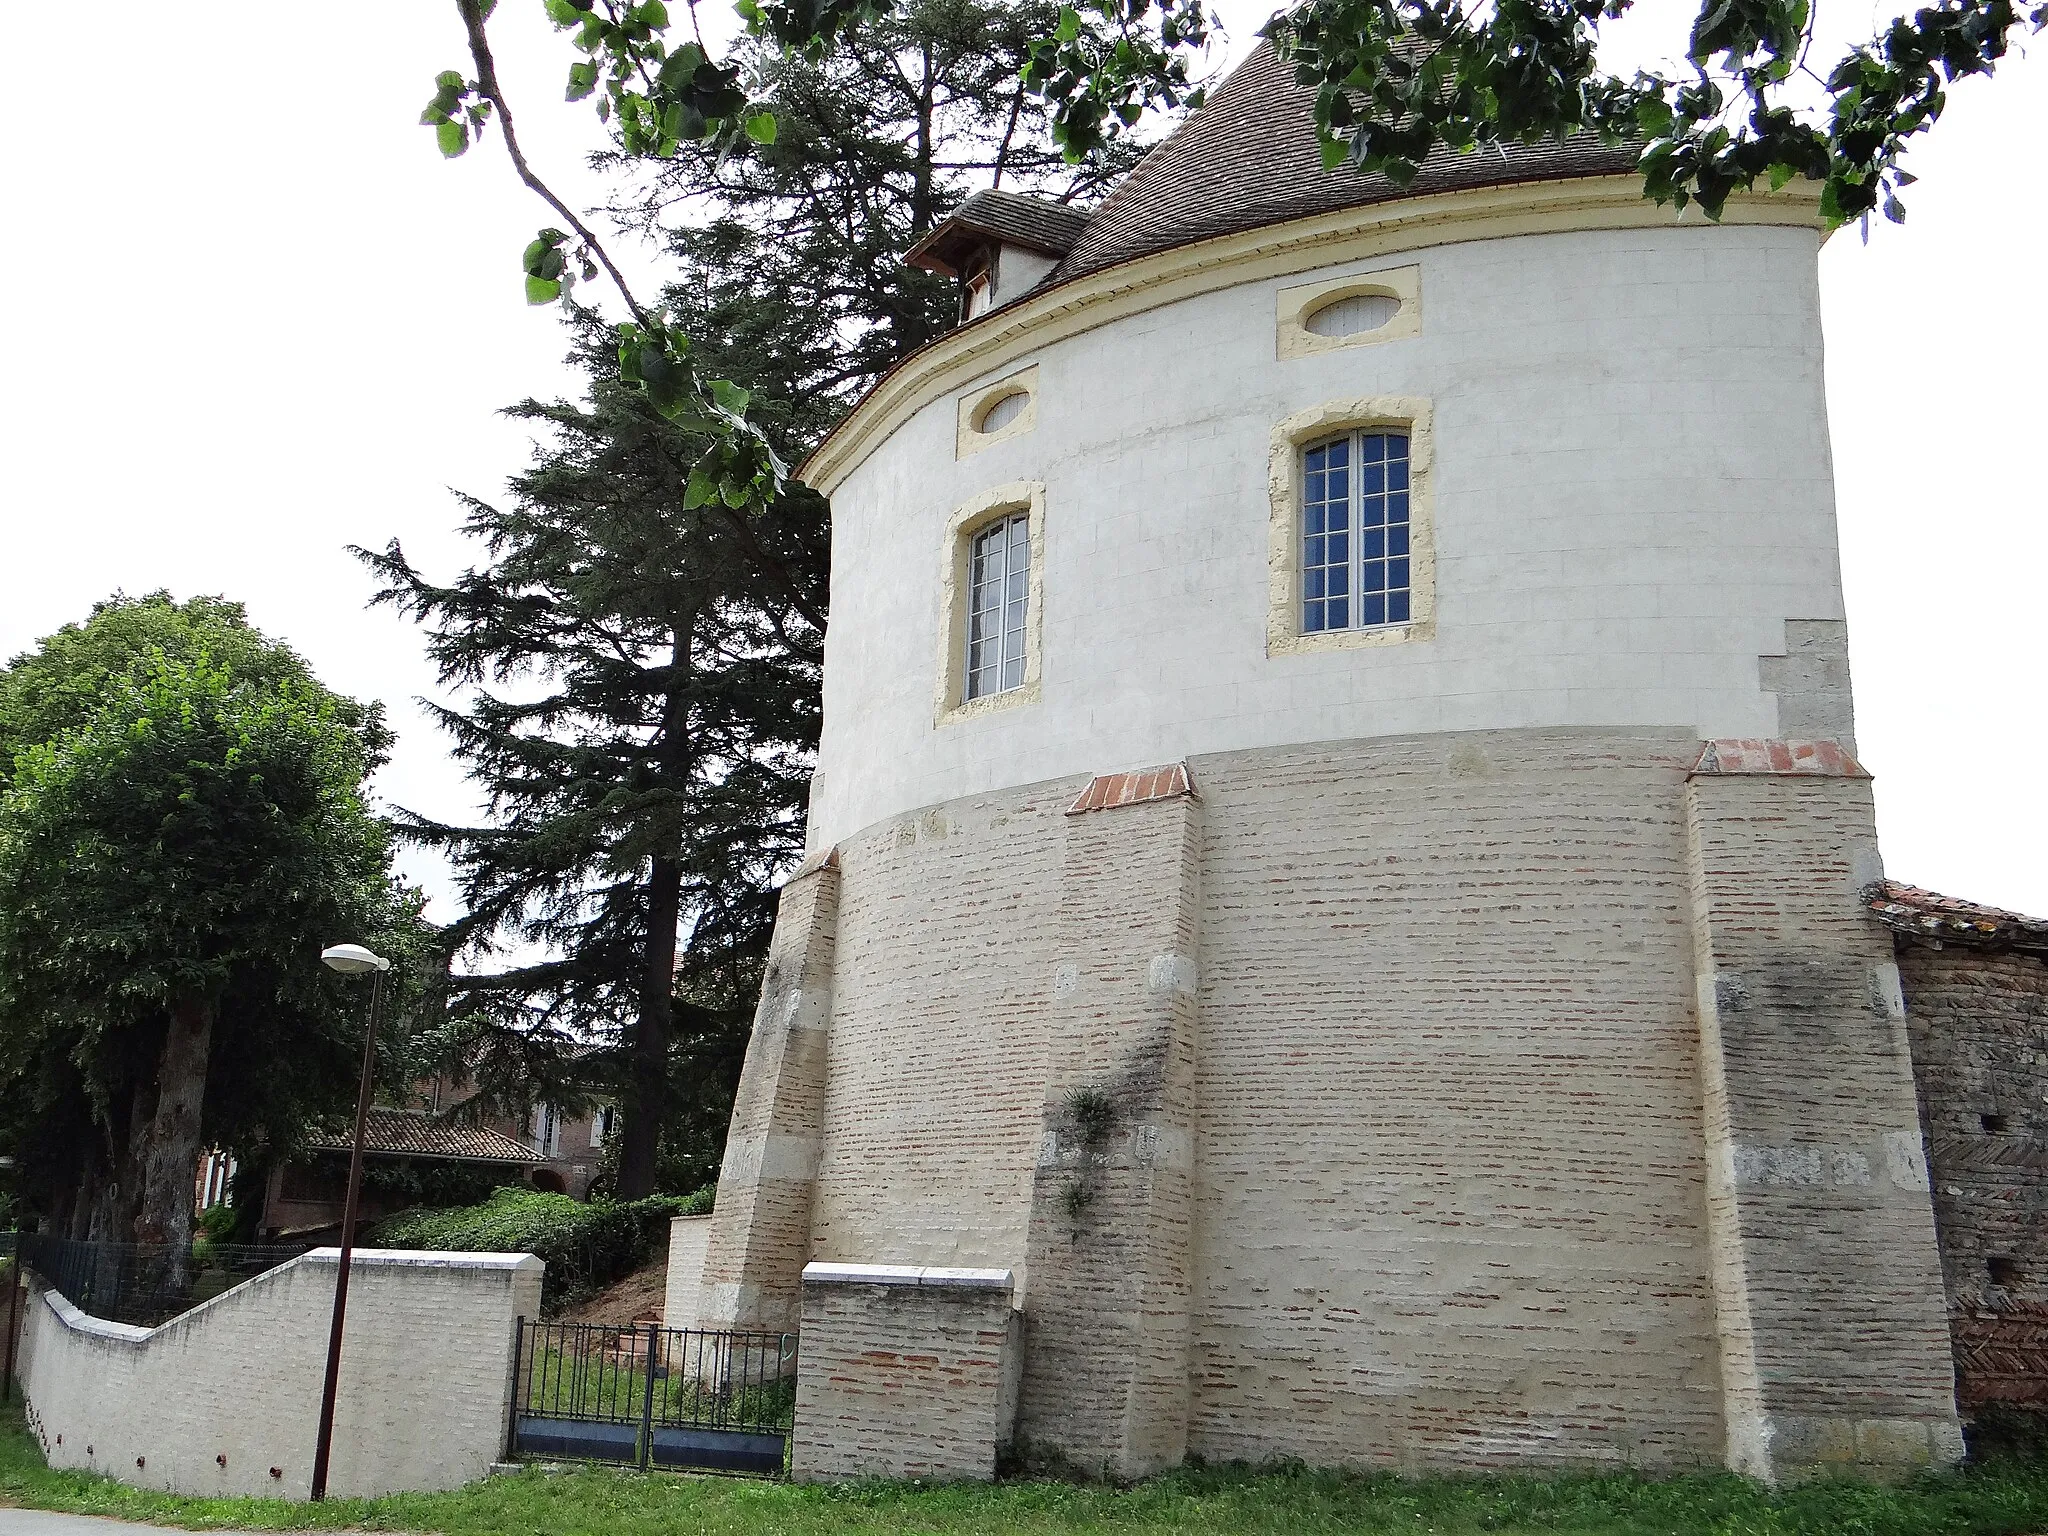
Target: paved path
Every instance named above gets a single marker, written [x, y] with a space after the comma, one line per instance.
[38, 1522]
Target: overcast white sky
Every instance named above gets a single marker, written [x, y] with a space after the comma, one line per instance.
[257, 318]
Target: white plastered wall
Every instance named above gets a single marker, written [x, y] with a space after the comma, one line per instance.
[211, 1401]
[682, 1292]
[1633, 495]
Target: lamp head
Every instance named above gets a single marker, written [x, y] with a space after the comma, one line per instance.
[353, 959]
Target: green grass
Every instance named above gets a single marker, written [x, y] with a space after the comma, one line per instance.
[591, 1381]
[1998, 1501]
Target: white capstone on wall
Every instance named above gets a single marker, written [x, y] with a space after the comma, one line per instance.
[1633, 496]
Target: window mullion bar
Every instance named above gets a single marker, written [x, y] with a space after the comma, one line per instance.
[1357, 506]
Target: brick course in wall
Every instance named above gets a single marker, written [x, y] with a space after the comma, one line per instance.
[1827, 1274]
[1979, 1021]
[906, 1372]
[1451, 1188]
[760, 1229]
[943, 1042]
[1420, 1175]
[1108, 1248]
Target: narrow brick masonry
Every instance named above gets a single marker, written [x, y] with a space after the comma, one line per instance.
[1522, 1097]
[1976, 986]
[905, 1372]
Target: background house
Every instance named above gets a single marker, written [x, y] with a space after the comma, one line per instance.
[427, 1156]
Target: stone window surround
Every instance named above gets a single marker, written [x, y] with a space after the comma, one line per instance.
[1297, 305]
[1401, 413]
[970, 518]
[969, 439]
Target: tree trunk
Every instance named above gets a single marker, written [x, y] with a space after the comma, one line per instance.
[168, 1158]
[71, 1217]
[647, 1090]
[109, 1197]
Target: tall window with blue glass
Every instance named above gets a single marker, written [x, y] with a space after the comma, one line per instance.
[1354, 532]
[998, 597]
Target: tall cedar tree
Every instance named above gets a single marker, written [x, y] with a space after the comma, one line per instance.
[648, 671]
[793, 253]
[187, 831]
[642, 714]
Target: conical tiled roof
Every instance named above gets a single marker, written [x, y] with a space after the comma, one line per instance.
[1249, 158]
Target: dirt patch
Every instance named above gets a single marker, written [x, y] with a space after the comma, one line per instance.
[638, 1298]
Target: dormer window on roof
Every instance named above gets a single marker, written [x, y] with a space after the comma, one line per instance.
[1000, 245]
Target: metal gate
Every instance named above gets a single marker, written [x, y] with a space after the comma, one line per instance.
[651, 1396]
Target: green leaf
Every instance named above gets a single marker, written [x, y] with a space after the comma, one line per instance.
[452, 136]
[761, 127]
[700, 488]
[730, 396]
[679, 67]
[537, 250]
[582, 79]
[542, 290]
[564, 13]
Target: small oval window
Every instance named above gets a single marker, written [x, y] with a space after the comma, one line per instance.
[1004, 411]
[1353, 316]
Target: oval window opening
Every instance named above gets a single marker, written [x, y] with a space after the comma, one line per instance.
[1006, 410]
[1353, 316]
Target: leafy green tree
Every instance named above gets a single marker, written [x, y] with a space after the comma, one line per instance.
[57, 686]
[169, 869]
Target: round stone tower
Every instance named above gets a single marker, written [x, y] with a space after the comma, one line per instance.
[1336, 846]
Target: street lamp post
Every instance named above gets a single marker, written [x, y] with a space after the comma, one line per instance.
[350, 960]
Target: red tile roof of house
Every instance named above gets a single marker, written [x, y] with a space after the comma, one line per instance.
[411, 1133]
[1947, 919]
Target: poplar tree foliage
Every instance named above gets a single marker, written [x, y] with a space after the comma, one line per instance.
[1395, 80]
[182, 831]
[648, 657]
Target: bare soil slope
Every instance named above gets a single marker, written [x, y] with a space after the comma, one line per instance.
[638, 1298]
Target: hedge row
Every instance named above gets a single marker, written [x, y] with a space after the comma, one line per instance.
[586, 1247]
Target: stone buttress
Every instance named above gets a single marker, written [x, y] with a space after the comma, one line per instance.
[1828, 1284]
[1105, 1375]
[761, 1228]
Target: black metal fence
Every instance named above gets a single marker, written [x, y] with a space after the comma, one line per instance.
[143, 1283]
[655, 1397]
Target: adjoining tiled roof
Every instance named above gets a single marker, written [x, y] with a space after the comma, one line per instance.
[1249, 157]
[410, 1133]
[1928, 915]
[1033, 222]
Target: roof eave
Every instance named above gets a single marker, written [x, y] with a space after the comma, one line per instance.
[934, 252]
[1619, 196]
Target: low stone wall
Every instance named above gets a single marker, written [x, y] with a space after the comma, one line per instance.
[225, 1399]
[905, 1372]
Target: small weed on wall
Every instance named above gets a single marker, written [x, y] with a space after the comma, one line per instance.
[1090, 1119]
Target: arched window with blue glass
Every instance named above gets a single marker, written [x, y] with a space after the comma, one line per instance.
[1355, 561]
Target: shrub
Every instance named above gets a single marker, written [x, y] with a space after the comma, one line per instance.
[585, 1247]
